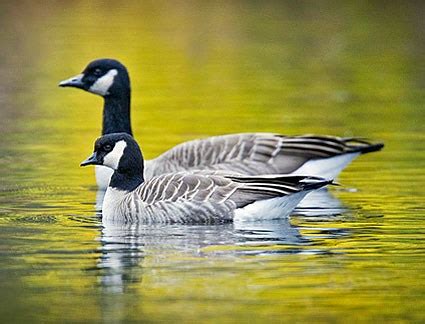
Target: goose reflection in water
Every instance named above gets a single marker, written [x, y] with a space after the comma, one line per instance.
[320, 203]
[124, 246]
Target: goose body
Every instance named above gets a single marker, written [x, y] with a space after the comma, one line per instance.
[247, 153]
[262, 153]
[190, 197]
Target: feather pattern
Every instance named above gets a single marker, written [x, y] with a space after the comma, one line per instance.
[201, 197]
[255, 153]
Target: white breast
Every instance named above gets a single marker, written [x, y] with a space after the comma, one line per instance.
[112, 202]
[103, 176]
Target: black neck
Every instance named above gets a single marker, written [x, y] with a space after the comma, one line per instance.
[129, 174]
[116, 114]
[126, 181]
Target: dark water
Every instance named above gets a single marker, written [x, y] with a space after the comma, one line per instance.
[201, 68]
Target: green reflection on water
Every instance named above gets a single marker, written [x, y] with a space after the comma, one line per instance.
[201, 69]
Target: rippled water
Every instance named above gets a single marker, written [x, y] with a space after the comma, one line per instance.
[355, 253]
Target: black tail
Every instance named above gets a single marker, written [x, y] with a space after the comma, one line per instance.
[285, 183]
[356, 144]
[372, 148]
[311, 183]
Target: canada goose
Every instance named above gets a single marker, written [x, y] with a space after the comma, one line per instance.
[246, 153]
[190, 197]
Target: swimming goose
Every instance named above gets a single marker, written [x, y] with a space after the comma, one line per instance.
[190, 197]
[247, 153]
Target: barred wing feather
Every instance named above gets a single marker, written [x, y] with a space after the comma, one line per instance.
[254, 153]
[210, 187]
[202, 197]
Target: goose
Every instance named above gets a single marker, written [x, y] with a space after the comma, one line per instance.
[245, 153]
[190, 197]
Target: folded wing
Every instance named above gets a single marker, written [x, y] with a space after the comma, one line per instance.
[255, 153]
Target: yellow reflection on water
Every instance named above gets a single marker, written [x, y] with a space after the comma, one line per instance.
[200, 69]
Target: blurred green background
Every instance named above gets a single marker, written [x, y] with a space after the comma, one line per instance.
[201, 68]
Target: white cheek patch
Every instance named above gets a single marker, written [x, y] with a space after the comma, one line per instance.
[112, 159]
[102, 85]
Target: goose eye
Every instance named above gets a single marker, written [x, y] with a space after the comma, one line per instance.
[107, 147]
[97, 72]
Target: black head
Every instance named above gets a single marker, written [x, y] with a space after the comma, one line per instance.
[118, 151]
[104, 77]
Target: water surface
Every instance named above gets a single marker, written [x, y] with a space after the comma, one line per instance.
[200, 69]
